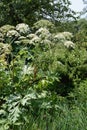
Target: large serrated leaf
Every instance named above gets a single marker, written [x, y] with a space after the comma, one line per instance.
[14, 114]
[27, 98]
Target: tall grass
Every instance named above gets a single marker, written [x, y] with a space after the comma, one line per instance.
[64, 118]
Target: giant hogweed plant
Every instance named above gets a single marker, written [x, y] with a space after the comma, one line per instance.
[42, 71]
[18, 80]
[23, 92]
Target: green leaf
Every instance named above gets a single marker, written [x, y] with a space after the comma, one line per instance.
[14, 114]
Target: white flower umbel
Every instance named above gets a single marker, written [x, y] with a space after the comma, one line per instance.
[5, 48]
[69, 44]
[23, 28]
[46, 41]
[43, 33]
[31, 36]
[12, 33]
[21, 38]
[67, 35]
[35, 39]
[59, 38]
[5, 28]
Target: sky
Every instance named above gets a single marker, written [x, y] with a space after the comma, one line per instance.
[77, 5]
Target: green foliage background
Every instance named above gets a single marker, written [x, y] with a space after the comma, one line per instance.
[43, 67]
[30, 11]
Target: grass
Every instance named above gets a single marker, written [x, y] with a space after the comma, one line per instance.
[74, 118]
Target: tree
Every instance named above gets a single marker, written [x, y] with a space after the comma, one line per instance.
[85, 8]
[85, 1]
[81, 33]
[30, 11]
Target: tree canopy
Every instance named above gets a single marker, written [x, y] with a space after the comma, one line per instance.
[85, 7]
[30, 11]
